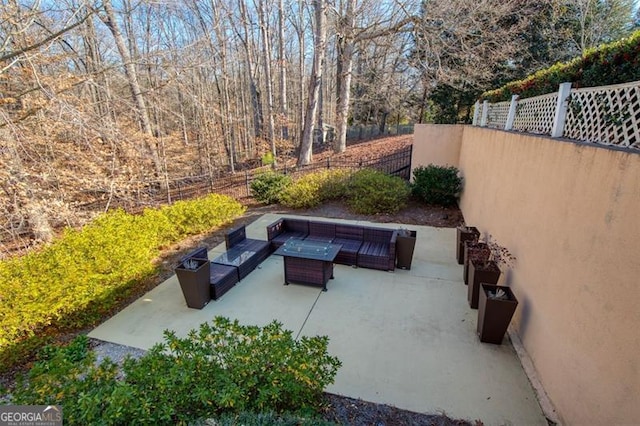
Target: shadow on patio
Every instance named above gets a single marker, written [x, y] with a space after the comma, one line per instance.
[406, 338]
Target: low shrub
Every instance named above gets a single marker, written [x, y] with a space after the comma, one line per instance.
[373, 192]
[223, 367]
[438, 185]
[86, 271]
[312, 189]
[267, 187]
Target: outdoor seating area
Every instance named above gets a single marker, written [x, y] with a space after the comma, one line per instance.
[362, 246]
[406, 338]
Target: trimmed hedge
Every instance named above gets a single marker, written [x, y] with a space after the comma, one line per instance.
[267, 186]
[312, 189]
[613, 63]
[439, 185]
[221, 368]
[84, 273]
[372, 192]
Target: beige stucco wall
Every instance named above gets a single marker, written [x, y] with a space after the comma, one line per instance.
[571, 215]
[438, 145]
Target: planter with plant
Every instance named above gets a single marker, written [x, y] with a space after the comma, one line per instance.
[474, 250]
[193, 276]
[487, 271]
[465, 233]
[496, 307]
[405, 245]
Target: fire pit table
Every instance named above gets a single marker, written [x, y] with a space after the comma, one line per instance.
[308, 262]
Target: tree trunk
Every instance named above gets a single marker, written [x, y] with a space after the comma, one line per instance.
[267, 75]
[109, 20]
[283, 73]
[345, 68]
[306, 146]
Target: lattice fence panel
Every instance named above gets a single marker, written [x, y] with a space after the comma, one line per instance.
[608, 115]
[536, 115]
[498, 113]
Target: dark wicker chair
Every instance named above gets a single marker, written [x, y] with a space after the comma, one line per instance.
[244, 253]
[283, 229]
[378, 250]
[350, 237]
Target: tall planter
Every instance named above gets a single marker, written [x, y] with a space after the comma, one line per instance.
[480, 272]
[494, 314]
[474, 250]
[193, 276]
[405, 245]
[464, 233]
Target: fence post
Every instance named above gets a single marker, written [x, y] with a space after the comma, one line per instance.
[328, 163]
[476, 113]
[512, 112]
[485, 114]
[246, 182]
[561, 110]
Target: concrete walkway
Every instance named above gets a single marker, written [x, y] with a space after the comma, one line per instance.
[405, 338]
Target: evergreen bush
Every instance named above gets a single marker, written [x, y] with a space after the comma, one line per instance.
[268, 186]
[314, 188]
[84, 273]
[439, 185]
[372, 192]
[222, 367]
[613, 63]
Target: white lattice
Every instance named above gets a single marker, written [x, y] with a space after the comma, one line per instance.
[607, 115]
[498, 115]
[536, 115]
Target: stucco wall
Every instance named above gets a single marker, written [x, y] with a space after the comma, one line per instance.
[440, 144]
[571, 215]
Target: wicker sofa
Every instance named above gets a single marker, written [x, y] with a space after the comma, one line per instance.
[244, 253]
[362, 246]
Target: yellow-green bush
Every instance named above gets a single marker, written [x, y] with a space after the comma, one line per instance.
[312, 189]
[81, 275]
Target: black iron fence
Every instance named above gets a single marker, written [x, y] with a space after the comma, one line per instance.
[238, 186]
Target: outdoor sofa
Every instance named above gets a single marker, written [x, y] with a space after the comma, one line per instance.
[362, 246]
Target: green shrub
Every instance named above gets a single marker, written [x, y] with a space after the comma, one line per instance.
[437, 184]
[84, 273]
[612, 63]
[312, 189]
[372, 192]
[223, 367]
[267, 186]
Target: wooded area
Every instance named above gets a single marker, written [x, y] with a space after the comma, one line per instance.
[107, 99]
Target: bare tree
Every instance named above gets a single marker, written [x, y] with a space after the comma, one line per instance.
[320, 39]
[266, 50]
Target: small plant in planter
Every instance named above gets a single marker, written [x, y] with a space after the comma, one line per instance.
[474, 251]
[405, 245]
[487, 270]
[465, 233]
[496, 307]
[193, 276]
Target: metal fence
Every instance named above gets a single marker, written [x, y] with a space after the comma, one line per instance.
[362, 132]
[238, 185]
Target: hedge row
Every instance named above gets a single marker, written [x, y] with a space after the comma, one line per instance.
[82, 275]
[613, 63]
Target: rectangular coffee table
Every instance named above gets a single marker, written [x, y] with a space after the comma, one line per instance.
[308, 262]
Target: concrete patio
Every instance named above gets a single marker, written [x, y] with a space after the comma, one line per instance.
[406, 338]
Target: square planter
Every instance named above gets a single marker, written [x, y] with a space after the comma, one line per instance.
[480, 272]
[474, 251]
[494, 315]
[405, 245]
[464, 233]
[194, 282]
